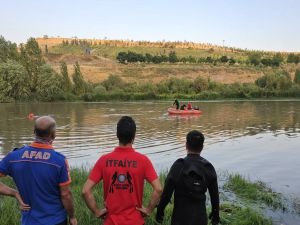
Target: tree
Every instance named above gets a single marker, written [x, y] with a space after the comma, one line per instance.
[13, 80]
[32, 60]
[297, 76]
[48, 85]
[79, 83]
[224, 59]
[173, 57]
[46, 49]
[277, 59]
[8, 50]
[254, 59]
[66, 81]
[293, 58]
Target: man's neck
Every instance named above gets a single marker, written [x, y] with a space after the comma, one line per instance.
[43, 141]
[125, 146]
[193, 153]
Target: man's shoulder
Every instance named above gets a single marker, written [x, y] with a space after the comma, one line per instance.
[58, 156]
[16, 151]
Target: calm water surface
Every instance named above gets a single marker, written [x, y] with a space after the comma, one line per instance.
[260, 139]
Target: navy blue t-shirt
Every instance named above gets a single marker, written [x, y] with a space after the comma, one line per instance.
[38, 172]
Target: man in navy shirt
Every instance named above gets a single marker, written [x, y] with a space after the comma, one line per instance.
[42, 177]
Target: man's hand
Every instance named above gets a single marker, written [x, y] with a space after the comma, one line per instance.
[215, 219]
[144, 211]
[22, 205]
[73, 221]
[101, 213]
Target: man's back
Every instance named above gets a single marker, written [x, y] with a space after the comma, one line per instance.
[190, 178]
[123, 172]
[38, 172]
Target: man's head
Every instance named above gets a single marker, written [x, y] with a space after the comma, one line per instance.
[45, 128]
[194, 141]
[126, 130]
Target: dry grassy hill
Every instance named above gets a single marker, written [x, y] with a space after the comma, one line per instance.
[101, 62]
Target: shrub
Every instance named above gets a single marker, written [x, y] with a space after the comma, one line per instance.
[200, 84]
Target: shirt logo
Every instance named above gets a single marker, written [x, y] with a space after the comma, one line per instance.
[121, 182]
[36, 155]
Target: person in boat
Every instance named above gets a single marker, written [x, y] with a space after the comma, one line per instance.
[189, 106]
[42, 177]
[183, 107]
[123, 172]
[176, 102]
[190, 178]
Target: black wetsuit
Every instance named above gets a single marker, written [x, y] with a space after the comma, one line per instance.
[189, 209]
[176, 102]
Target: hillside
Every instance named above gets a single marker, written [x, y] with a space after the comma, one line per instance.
[101, 61]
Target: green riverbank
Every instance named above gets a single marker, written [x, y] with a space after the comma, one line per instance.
[253, 196]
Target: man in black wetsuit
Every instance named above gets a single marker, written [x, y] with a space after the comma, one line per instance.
[176, 102]
[190, 178]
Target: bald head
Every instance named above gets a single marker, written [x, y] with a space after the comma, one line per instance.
[44, 127]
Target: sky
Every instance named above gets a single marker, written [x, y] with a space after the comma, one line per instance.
[252, 24]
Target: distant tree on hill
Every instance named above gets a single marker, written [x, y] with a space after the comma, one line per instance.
[277, 59]
[254, 59]
[66, 81]
[79, 83]
[224, 59]
[173, 57]
[293, 58]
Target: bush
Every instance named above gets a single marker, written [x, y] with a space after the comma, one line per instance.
[113, 82]
[280, 80]
[200, 84]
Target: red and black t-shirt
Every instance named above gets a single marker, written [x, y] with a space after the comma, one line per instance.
[123, 173]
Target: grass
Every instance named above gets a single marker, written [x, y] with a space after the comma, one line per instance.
[256, 191]
[230, 213]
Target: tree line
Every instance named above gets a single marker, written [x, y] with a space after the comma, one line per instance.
[133, 57]
[255, 59]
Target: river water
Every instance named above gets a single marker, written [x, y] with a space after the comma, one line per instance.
[259, 139]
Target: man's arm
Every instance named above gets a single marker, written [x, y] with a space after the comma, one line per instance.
[67, 200]
[157, 190]
[5, 190]
[88, 196]
[214, 198]
[165, 197]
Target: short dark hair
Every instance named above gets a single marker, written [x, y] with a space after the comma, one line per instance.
[44, 133]
[194, 141]
[126, 130]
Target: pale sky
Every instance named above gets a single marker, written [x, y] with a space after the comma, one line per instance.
[252, 24]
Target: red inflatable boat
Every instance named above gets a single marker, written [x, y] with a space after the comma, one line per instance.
[173, 111]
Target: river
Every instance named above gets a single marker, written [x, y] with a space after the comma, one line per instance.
[259, 139]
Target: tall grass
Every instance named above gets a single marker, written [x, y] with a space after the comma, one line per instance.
[230, 214]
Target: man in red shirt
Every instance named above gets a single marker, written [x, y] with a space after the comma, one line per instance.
[123, 172]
